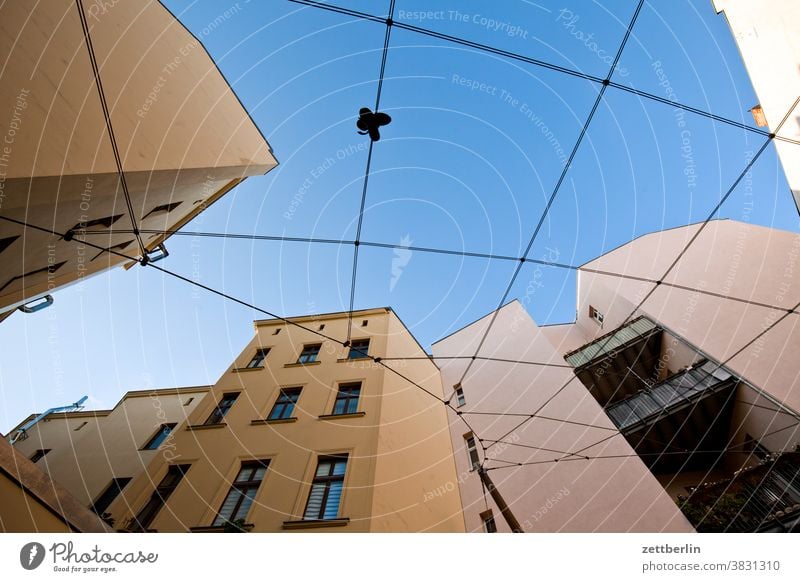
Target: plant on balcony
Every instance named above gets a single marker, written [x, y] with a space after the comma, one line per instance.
[716, 515]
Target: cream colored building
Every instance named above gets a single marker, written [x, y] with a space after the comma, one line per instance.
[302, 434]
[768, 35]
[181, 136]
[95, 454]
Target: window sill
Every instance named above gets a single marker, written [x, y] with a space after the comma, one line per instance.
[273, 421]
[301, 364]
[194, 427]
[348, 415]
[218, 528]
[316, 523]
[359, 359]
[242, 370]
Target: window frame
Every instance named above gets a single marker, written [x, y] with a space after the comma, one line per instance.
[310, 358]
[39, 454]
[153, 506]
[327, 481]
[219, 414]
[115, 483]
[288, 403]
[476, 461]
[461, 399]
[358, 353]
[347, 398]
[149, 446]
[244, 488]
[257, 361]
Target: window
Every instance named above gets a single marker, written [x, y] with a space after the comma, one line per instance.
[326, 489]
[160, 436]
[321, 326]
[188, 402]
[222, 408]
[489, 526]
[258, 359]
[284, 405]
[163, 209]
[472, 451]
[106, 221]
[277, 331]
[6, 242]
[110, 494]
[596, 315]
[81, 425]
[364, 323]
[168, 484]
[358, 349]
[347, 398]
[309, 353]
[460, 399]
[39, 454]
[243, 491]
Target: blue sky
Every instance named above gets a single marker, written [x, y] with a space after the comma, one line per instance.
[476, 145]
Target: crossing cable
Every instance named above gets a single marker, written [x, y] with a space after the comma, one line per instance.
[628, 456]
[109, 126]
[556, 189]
[376, 359]
[356, 242]
[540, 63]
[433, 250]
[696, 235]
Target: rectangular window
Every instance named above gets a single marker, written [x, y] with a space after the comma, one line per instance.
[150, 510]
[358, 349]
[309, 353]
[596, 315]
[489, 526]
[326, 489]
[460, 399]
[160, 436]
[39, 454]
[347, 398]
[222, 408]
[258, 359]
[110, 494]
[472, 451]
[243, 490]
[284, 405]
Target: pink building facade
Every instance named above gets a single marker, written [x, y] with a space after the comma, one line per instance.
[686, 407]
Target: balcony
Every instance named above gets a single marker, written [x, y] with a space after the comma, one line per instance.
[679, 391]
[762, 498]
[619, 363]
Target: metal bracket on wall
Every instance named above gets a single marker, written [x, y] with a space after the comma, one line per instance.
[33, 306]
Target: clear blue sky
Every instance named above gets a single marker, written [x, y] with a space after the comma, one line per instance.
[472, 154]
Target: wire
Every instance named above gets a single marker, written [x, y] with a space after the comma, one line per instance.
[109, 126]
[384, 55]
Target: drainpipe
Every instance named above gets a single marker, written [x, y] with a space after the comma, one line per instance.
[22, 433]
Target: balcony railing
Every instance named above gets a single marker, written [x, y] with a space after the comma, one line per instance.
[611, 342]
[765, 497]
[672, 394]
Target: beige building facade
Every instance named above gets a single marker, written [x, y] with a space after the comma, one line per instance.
[302, 434]
[95, 454]
[71, 81]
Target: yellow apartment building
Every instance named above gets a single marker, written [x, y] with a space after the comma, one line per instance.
[94, 454]
[302, 434]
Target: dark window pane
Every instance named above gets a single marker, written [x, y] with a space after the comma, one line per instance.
[110, 494]
[358, 349]
[160, 436]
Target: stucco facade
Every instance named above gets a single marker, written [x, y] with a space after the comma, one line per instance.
[393, 436]
[181, 138]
